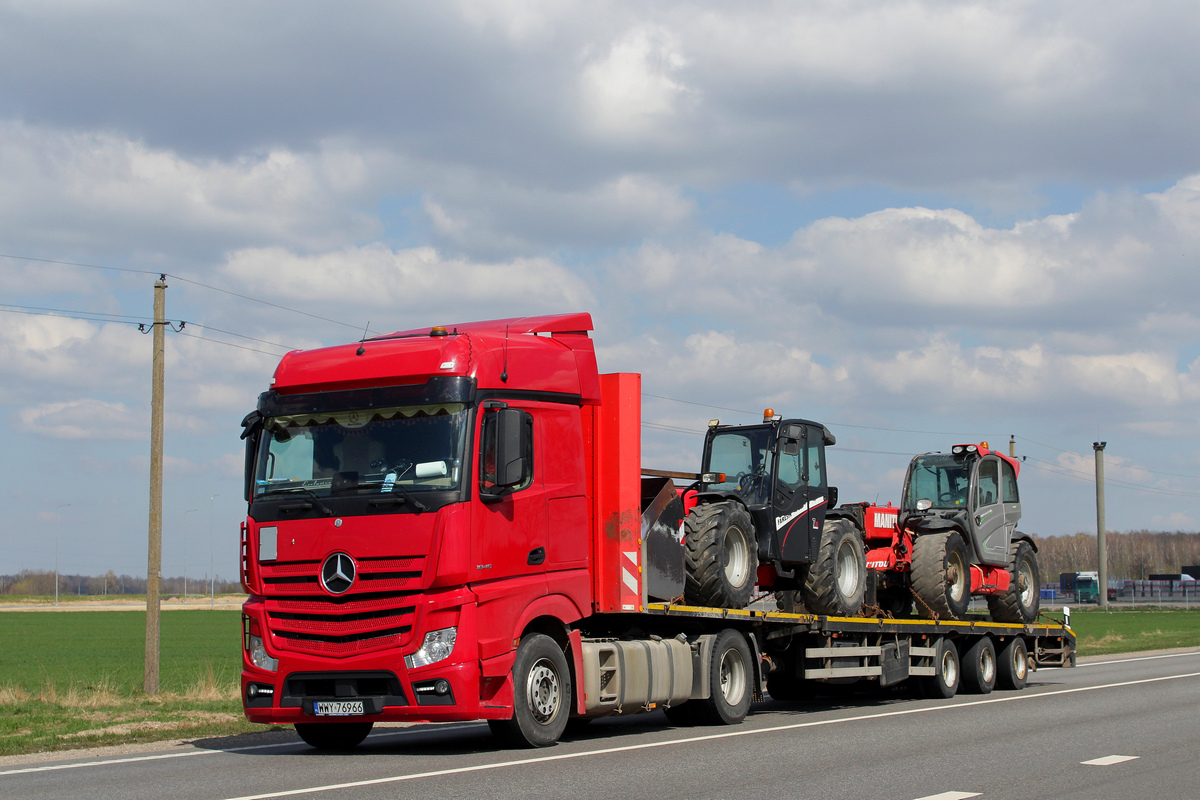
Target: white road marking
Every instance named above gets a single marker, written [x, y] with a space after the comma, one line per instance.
[1108, 761]
[1127, 660]
[950, 796]
[693, 739]
[78, 764]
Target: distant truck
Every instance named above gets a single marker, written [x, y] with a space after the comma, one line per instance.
[1084, 585]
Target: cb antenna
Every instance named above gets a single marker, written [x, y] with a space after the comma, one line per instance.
[362, 349]
[504, 371]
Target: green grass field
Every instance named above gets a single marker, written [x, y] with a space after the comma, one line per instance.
[74, 678]
[1104, 633]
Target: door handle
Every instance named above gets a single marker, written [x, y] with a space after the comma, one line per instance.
[536, 556]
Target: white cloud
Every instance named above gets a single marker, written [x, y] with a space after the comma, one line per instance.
[84, 419]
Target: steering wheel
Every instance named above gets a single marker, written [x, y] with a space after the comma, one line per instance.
[945, 497]
[747, 481]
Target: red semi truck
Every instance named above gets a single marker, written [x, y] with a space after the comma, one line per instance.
[453, 524]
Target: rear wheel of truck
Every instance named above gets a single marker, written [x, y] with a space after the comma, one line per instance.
[1012, 666]
[1021, 602]
[943, 683]
[979, 666]
[333, 735]
[721, 555]
[541, 695]
[941, 575]
[836, 581]
[730, 676]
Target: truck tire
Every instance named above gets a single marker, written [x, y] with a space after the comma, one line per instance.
[941, 575]
[1012, 666]
[836, 581]
[333, 735]
[730, 677]
[944, 682]
[979, 667]
[1021, 602]
[720, 554]
[541, 695]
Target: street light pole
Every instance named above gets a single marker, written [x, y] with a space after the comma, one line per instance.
[212, 578]
[1101, 545]
[60, 505]
[185, 560]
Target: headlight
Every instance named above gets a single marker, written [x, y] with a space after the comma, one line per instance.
[259, 657]
[438, 645]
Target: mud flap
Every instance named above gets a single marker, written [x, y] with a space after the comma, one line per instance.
[893, 663]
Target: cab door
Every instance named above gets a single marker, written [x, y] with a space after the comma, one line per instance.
[992, 531]
[801, 492]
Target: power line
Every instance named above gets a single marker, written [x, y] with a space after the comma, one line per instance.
[67, 315]
[79, 264]
[228, 344]
[1087, 477]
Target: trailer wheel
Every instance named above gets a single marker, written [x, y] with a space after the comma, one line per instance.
[941, 575]
[1012, 667]
[730, 676]
[979, 666]
[944, 682]
[837, 579]
[721, 555]
[1021, 602]
[333, 735]
[541, 695]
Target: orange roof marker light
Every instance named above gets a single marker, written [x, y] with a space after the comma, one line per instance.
[769, 414]
[438, 331]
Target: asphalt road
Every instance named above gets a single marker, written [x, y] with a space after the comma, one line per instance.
[1124, 728]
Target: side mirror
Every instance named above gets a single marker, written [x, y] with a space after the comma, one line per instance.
[506, 440]
[512, 444]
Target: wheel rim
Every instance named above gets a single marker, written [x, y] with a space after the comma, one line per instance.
[949, 669]
[737, 556]
[956, 576]
[733, 677]
[542, 691]
[1019, 665]
[847, 569]
[1025, 584]
[987, 665]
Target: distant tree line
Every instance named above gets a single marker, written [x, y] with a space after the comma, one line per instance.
[1134, 555]
[41, 582]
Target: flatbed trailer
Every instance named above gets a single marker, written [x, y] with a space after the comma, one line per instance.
[793, 648]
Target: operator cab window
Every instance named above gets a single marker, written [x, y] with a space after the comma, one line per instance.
[988, 490]
[1009, 483]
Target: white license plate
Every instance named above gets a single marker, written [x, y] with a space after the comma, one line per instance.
[338, 708]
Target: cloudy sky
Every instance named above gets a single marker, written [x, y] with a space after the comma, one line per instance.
[919, 222]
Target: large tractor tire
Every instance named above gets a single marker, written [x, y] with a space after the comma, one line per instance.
[541, 695]
[836, 581]
[941, 576]
[1021, 602]
[720, 554]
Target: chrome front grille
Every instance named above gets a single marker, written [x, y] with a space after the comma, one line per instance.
[375, 613]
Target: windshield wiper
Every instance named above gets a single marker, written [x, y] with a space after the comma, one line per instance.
[409, 498]
[305, 490]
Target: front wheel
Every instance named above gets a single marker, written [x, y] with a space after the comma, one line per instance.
[333, 735]
[1020, 604]
[836, 581]
[941, 575]
[541, 695]
[720, 555]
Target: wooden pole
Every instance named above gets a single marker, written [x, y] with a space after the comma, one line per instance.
[154, 560]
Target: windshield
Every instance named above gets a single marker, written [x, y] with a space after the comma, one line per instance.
[415, 448]
[941, 479]
[745, 458]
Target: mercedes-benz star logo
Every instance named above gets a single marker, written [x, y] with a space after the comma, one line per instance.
[337, 573]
